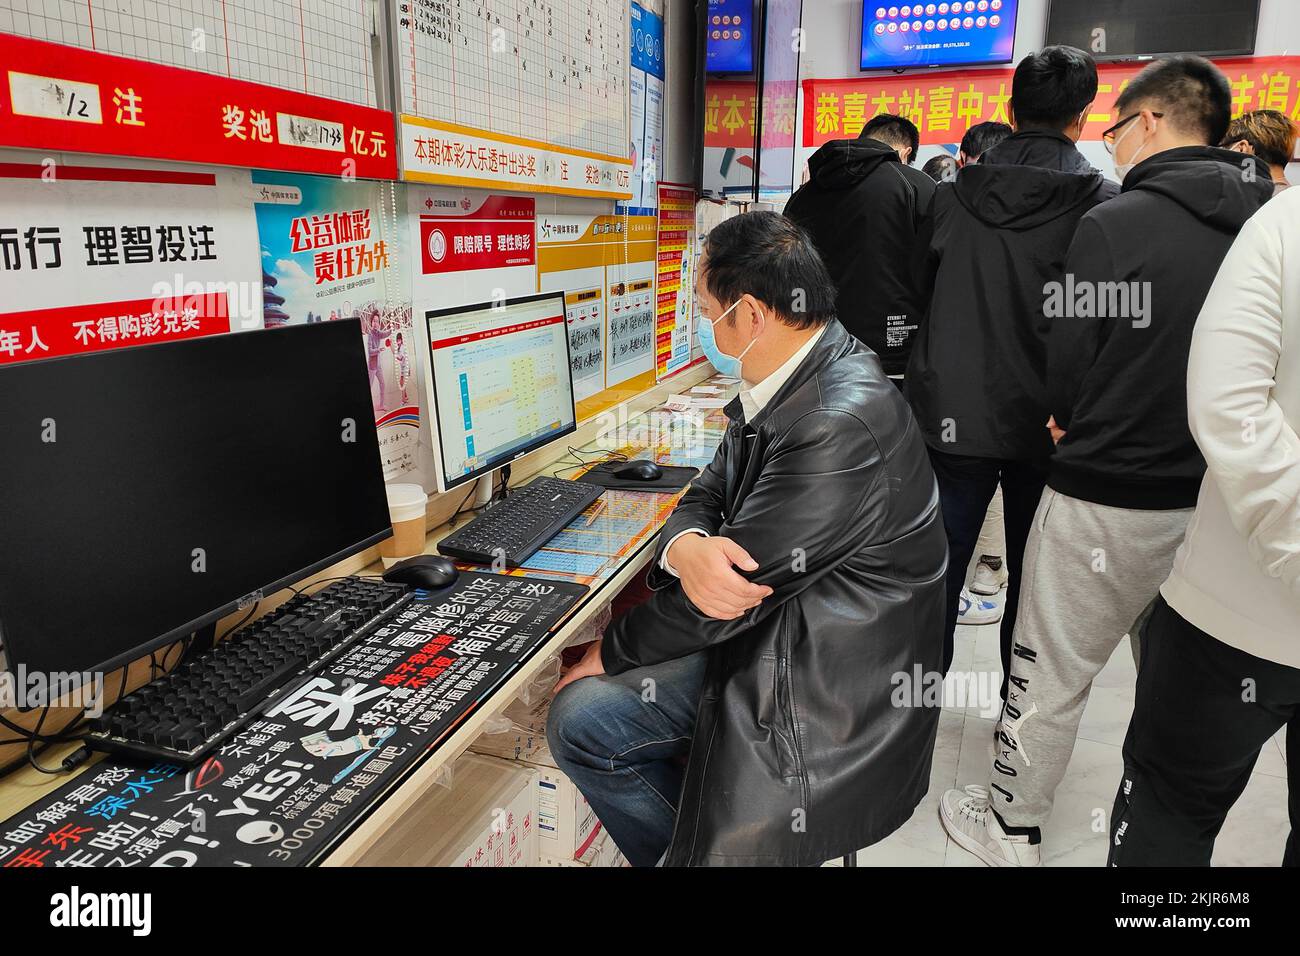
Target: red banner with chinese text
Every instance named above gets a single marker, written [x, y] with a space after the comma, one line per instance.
[64, 98]
[944, 105]
[77, 329]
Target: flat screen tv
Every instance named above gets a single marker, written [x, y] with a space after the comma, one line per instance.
[729, 36]
[956, 33]
[1124, 29]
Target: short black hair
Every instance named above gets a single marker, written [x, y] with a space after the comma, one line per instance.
[771, 258]
[897, 131]
[1053, 86]
[982, 137]
[941, 168]
[1192, 92]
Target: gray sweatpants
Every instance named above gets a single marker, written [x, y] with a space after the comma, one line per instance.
[1089, 571]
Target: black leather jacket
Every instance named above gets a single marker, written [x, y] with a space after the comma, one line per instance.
[801, 753]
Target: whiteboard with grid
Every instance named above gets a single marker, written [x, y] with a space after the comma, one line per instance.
[548, 70]
[320, 47]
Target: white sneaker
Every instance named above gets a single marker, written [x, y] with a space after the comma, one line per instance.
[972, 610]
[973, 826]
[989, 580]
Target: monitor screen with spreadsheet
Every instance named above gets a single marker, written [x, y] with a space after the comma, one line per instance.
[501, 383]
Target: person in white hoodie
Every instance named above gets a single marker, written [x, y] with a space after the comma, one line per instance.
[1220, 663]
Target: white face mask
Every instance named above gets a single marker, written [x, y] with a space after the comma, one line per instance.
[1123, 169]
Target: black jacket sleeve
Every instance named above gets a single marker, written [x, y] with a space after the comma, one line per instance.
[821, 495]
[1073, 341]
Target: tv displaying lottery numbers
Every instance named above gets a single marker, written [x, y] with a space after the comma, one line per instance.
[730, 36]
[956, 33]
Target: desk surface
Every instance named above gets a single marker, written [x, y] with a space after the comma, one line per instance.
[603, 556]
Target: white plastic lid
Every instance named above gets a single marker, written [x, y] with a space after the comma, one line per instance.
[405, 501]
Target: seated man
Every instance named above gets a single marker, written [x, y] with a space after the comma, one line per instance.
[799, 585]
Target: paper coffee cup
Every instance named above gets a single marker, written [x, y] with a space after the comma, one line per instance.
[406, 507]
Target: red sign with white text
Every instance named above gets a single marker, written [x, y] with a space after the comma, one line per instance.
[60, 97]
[78, 329]
[465, 238]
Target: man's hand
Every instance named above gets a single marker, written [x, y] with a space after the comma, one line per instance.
[1056, 431]
[590, 666]
[707, 568]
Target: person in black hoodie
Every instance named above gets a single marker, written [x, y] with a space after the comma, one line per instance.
[977, 374]
[862, 207]
[1127, 471]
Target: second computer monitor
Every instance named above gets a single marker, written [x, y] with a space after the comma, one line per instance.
[501, 383]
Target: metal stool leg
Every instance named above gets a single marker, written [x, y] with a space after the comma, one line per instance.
[850, 859]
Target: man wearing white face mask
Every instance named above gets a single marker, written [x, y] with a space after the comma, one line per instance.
[797, 582]
[1125, 476]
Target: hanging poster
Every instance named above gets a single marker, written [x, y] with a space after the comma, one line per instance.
[674, 278]
[646, 109]
[330, 250]
[98, 253]
[605, 265]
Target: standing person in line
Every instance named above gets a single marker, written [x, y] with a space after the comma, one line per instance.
[862, 206]
[941, 168]
[977, 375]
[1220, 671]
[979, 139]
[1126, 471]
[990, 575]
[1267, 134]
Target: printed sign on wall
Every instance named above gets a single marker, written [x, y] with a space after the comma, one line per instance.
[98, 254]
[331, 250]
[605, 265]
[61, 97]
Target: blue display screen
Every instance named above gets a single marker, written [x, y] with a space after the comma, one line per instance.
[729, 36]
[935, 34]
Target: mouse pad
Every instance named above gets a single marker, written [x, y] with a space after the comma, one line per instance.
[673, 478]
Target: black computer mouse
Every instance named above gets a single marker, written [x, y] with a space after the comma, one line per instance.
[640, 471]
[428, 571]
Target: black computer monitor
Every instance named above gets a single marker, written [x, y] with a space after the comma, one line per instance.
[148, 491]
[501, 382]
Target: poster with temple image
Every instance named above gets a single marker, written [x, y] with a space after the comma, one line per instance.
[331, 249]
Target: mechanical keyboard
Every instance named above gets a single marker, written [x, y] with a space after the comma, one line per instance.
[512, 530]
[205, 701]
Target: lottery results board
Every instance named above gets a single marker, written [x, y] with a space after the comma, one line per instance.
[529, 95]
[288, 788]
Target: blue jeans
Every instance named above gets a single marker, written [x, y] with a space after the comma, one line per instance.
[620, 739]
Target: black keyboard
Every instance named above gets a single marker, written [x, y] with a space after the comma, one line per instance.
[511, 531]
[207, 700]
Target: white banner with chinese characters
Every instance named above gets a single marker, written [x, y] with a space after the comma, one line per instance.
[100, 253]
[446, 154]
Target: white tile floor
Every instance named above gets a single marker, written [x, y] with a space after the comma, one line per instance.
[1076, 835]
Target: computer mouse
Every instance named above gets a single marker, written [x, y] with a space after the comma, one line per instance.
[640, 471]
[428, 571]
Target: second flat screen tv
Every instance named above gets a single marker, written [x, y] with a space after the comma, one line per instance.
[1115, 29]
[957, 33]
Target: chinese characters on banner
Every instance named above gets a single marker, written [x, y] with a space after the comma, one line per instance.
[65, 98]
[605, 265]
[443, 153]
[287, 789]
[331, 250]
[943, 106]
[463, 232]
[674, 278]
[102, 256]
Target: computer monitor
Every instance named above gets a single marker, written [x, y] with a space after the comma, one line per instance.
[500, 380]
[149, 491]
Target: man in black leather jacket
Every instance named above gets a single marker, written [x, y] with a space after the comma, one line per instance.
[798, 597]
